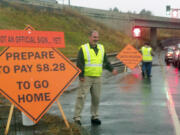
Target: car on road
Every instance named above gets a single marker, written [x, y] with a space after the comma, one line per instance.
[176, 56]
[169, 56]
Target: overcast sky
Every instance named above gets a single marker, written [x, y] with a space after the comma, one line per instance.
[157, 7]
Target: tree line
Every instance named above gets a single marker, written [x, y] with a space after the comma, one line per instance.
[142, 12]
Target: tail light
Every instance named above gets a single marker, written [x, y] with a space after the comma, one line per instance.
[169, 53]
[177, 52]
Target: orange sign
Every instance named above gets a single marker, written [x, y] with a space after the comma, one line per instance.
[31, 38]
[33, 78]
[130, 56]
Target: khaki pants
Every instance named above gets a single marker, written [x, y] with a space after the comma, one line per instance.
[92, 84]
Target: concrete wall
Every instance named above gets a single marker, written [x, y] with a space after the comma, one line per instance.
[115, 20]
[53, 1]
[49, 1]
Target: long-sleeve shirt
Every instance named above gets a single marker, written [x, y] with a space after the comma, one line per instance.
[81, 63]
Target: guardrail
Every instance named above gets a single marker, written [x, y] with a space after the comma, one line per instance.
[116, 63]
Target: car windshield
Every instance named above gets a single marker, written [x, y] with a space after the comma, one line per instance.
[169, 51]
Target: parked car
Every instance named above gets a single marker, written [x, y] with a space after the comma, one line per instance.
[176, 56]
[169, 56]
[172, 47]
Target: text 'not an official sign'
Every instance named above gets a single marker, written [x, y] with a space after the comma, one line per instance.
[33, 78]
[130, 56]
[31, 38]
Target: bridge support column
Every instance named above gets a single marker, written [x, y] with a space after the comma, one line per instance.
[153, 37]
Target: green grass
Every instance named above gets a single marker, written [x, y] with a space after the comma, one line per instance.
[75, 26]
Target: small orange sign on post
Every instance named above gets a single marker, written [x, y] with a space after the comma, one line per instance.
[130, 56]
[33, 78]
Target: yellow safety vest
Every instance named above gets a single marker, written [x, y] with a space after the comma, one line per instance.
[146, 54]
[93, 62]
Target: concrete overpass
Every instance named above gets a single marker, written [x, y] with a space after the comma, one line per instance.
[125, 22]
[156, 22]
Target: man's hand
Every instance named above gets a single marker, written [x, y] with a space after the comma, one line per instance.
[114, 72]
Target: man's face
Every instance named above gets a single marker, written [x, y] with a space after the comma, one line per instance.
[94, 38]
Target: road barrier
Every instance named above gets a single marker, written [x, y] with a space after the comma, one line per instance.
[114, 61]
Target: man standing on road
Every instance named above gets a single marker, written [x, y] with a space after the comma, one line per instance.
[147, 57]
[91, 60]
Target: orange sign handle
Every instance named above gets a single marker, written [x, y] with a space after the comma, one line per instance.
[63, 115]
[9, 119]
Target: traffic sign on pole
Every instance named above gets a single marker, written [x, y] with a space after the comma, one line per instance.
[175, 13]
[168, 9]
[136, 31]
[130, 56]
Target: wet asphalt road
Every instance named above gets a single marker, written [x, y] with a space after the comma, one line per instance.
[131, 105]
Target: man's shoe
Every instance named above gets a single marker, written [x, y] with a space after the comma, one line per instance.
[78, 122]
[96, 121]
